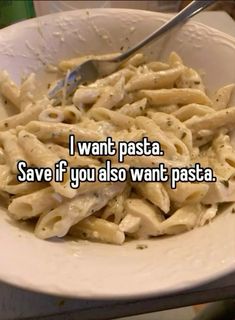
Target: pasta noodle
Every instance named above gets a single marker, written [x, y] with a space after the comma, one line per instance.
[155, 80]
[12, 149]
[27, 92]
[9, 89]
[24, 117]
[57, 222]
[41, 156]
[156, 193]
[96, 229]
[164, 101]
[174, 96]
[222, 97]
[59, 132]
[150, 217]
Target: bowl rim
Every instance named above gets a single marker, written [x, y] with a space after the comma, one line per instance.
[74, 293]
[78, 11]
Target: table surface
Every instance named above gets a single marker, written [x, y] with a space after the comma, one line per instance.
[19, 304]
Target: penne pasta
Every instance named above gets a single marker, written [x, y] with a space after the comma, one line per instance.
[100, 230]
[222, 97]
[23, 117]
[143, 102]
[42, 157]
[27, 92]
[174, 96]
[155, 192]
[213, 120]
[33, 204]
[155, 80]
[58, 221]
[12, 149]
[9, 89]
[60, 132]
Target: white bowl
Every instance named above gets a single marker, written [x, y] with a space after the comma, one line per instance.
[93, 270]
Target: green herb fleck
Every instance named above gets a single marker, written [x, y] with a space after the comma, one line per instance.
[183, 135]
[225, 183]
[61, 302]
[141, 246]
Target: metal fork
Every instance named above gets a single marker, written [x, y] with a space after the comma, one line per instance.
[93, 69]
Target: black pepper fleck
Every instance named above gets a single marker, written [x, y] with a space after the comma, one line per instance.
[169, 123]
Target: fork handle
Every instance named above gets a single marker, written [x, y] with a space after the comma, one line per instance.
[192, 9]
